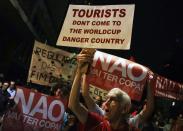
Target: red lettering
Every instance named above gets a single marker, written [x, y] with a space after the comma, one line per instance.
[97, 13]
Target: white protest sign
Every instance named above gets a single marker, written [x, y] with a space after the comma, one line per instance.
[107, 26]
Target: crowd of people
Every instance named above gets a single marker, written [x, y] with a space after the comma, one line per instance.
[84, 113]
[7, 94]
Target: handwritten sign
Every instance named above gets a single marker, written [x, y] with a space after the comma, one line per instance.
[50, 64]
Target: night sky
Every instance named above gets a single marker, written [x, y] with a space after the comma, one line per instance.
[156, 36]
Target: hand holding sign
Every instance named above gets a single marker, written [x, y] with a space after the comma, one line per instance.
[84, 58]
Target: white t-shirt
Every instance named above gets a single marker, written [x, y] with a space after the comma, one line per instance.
[12, 93]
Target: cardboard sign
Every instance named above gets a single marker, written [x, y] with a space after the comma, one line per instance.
[49, 64]
[34, 112]
[108, 71]
[107, 26]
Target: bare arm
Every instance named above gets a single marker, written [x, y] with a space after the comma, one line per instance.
[74, 104]
[85, 93]
[79, 110]
[149, 107]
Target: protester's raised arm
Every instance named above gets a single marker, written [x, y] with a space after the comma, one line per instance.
[85, 93]
[74, 103]
[78, 108]
[90, 103]
[149, 107]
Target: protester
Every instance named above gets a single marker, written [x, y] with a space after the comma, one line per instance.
[6, 97]
[98, 100]
[61, 91]
[4, 100]
[115, 108]
[70, 121]
[168, 125]
[12, 90]
[178, 125]
[5, 86]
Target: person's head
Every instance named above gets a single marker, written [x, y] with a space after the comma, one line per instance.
[98, 100]
[12, 84]
[61, 89]
[71, 118]
[117, 104]
[5, 85]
